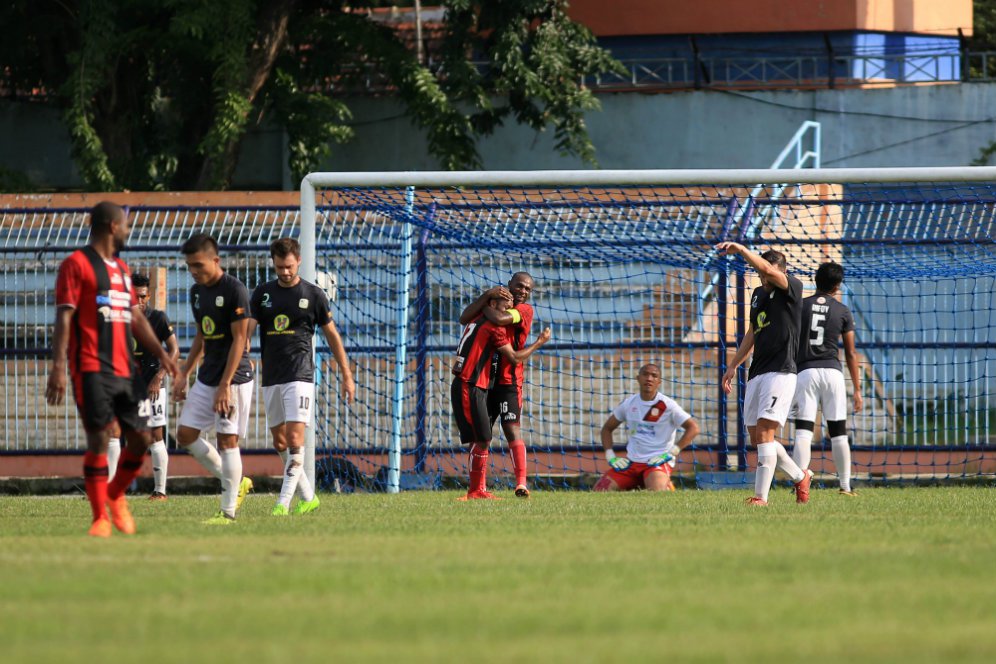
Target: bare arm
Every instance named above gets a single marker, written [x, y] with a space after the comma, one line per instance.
[55, 391]
[853, 368]
[249, 332]
[520, 356]
[173, 350]
[501, 318]
[235, 353]
[182, 376]
[763, 267]
[691, 428]
[339, 353]
[608, 428]
[473, 309]
[741, 356]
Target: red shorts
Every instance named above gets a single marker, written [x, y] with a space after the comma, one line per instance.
[635, 476]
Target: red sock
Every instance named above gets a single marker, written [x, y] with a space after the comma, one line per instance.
[518, 450]
[95, 481]
[128, 466]
[478, 469]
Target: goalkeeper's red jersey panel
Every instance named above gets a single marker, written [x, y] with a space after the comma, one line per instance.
[478, 343]
[508, 373]
[101, 295]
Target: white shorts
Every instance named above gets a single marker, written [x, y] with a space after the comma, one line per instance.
[157, 408]
[198, 410]
[769, 396]
[288, 402]
[823, 388]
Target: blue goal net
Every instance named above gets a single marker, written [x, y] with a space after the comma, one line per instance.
[625, 275]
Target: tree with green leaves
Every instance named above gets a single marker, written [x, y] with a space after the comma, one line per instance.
[159, 94]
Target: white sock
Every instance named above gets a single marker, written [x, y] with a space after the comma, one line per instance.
[786, 464]
[206, 455]
[293, 471]
[231, 476]
[842, 460]
[802, 454]
[766, 459]
[304, 489]
[113, 454]
[160, 464]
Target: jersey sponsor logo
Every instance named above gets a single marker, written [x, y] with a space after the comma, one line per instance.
[655, 412]
[219, 301]
[303, 303]
[281, 323]
[207, 325]
[116, 278]
[762, 321]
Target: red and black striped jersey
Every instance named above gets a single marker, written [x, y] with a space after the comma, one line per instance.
[100, 292]
[507, 373]
[479, 341]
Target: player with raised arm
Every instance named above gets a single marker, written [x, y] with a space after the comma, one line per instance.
[773, 335]
[480, 340]
[153, 376]
[505, 396]
[96, 315]
[222, 394]
[287, 311]
[825, 321]
[651, 453]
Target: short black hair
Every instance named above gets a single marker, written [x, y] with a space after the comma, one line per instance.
[284, 247]
[139, 280]
[776, 258]
[102, 215]
[829, 276]
[199, 242]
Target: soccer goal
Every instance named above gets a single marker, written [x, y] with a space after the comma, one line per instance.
[625, 274]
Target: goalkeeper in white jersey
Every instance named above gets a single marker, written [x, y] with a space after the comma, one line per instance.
[653, 419]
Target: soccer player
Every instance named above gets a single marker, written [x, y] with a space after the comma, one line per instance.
[468, 394]
[825, 321]
[505, 396]
[288, 310]
[222, 394]
[651, 453]
[96, 315]
[773, 335]
[153, 376]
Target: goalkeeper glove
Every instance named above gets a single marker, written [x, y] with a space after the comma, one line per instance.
[670, 458]
[617, 463]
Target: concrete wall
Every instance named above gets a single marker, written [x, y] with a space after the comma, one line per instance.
[937, 125]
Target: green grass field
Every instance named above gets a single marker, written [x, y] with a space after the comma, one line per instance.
[893, 575]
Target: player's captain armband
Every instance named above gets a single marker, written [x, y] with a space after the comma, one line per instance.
[516, 316]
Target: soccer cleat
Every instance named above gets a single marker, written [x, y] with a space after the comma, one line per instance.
[802, 488]
[755, 500]
[306, 506]
[158, 497]
[121, 515]
[245, 486]
[100, 528]
[479, 495]
[219, 519]
[852, 493]
[279, 510]
[521, 491]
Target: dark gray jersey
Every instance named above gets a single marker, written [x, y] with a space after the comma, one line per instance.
[215, 309]
[288, 318]
[776, 317]
[824, 322]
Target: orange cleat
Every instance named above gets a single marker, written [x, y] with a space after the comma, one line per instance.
[754, 500]
[479, 495]
[802, 488]
[121, 515]
[100, 528]
[157, 497]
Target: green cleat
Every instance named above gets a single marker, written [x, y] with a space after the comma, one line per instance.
[245, 486]
[279, 510]
[219, 519]
[307, 506]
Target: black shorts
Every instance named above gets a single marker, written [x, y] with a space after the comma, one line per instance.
[101, 398]
[470, 409]
[505, 404]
